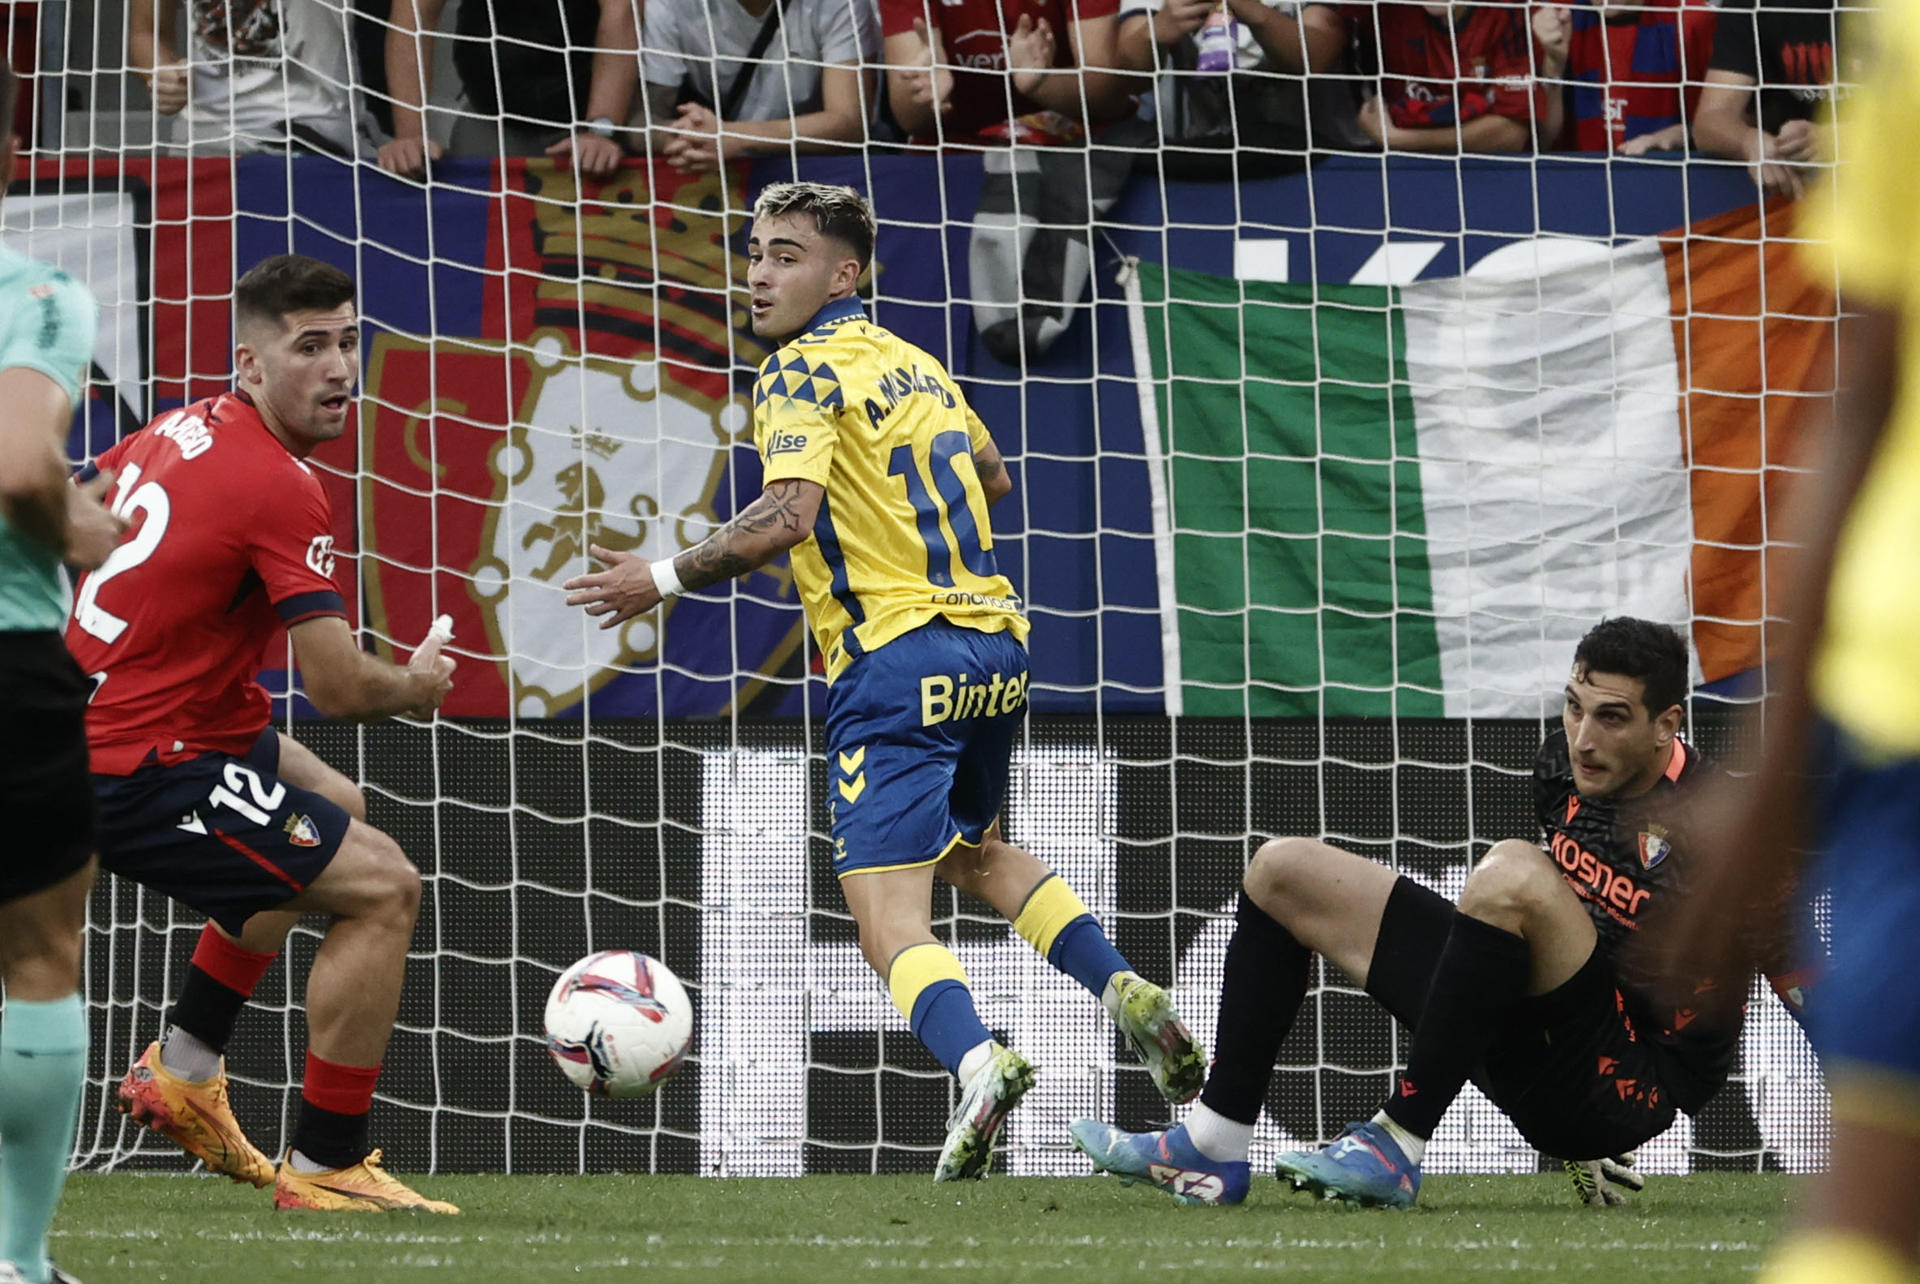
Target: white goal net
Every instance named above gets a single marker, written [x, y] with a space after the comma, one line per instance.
[1321, 469]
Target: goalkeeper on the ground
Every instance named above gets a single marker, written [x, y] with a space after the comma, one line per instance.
[1525, 987]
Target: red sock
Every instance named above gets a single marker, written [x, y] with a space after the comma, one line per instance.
[344, 1090]
[335, 1101]
[221, 958]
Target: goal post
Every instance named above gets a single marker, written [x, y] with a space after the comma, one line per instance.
[1320, 481]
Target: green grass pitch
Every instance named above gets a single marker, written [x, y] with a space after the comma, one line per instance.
[837, 1229]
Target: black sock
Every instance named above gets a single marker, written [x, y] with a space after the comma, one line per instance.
[1481, 975]
[207, 1009]
[329, 1137]
[1261, 989]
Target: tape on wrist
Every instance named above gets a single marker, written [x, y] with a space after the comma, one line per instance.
[666, 579]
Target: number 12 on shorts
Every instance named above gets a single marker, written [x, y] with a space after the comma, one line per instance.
[239, 776]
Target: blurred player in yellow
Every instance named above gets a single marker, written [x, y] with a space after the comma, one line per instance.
[1849, 705]
[878, 477]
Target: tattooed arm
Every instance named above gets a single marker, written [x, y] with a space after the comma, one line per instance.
[781, 517]
[769, 526]
[992, 471]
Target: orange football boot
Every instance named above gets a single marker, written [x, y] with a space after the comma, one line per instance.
[195, 1115]
[364, 1187]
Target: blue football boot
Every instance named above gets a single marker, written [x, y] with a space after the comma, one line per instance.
[1164, 1159]
[1365, 1165]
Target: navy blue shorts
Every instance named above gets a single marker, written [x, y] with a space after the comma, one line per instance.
[1866, 1007]
[221, 834]
[919, 735]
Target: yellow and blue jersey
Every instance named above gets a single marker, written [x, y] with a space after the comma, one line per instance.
[903, 537]
[1869, 220]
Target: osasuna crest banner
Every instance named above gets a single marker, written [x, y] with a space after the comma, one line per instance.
[600, 400]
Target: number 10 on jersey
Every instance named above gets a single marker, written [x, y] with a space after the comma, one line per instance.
[953, 489]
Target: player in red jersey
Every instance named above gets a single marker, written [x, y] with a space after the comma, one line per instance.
[231, 538]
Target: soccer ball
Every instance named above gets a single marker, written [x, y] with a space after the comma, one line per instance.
[618, 1023]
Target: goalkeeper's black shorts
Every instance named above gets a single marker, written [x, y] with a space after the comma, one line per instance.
[1573, 1072]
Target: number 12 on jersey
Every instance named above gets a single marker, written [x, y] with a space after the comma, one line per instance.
[952, 490]
[129, 497]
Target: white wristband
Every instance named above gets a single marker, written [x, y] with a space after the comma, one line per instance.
[666, 579]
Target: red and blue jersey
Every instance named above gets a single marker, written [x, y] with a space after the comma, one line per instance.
[1440, 71]
[1636, 72]
[231, 538]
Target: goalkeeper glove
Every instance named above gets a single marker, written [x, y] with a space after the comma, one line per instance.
[1600, 1182]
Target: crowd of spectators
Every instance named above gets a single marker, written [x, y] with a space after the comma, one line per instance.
[699, 82]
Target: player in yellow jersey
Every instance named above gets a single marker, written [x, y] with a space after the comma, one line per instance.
[878, 477]
[1849, 705]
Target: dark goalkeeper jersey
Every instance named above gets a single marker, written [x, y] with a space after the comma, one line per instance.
[1625, 858]
[1618, 856]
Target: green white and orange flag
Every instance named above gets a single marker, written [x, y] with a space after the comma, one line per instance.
[1413, 500]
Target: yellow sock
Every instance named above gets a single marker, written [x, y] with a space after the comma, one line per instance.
[929, 987]
[1049, 908]
[1055, 922]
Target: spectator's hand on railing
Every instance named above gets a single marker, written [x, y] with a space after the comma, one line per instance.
[1373, 120]
[1671, 139]
[1376, 119]
[168, 85]
[1179, 18]
[1772, 170]
[409, 157]
[929, 85]
[695, 148]
[1030, 49]
[594, 155]
[1802, 140]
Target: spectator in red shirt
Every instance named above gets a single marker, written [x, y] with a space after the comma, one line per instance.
[1461, 77]
[949, 63]
[1636, 70]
